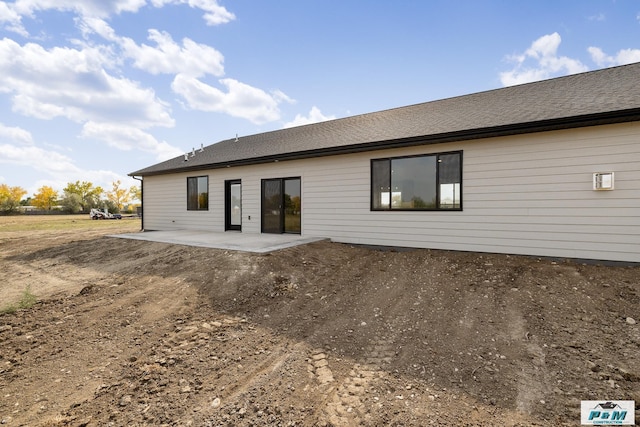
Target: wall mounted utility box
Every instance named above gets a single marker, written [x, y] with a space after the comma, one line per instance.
[603, 181]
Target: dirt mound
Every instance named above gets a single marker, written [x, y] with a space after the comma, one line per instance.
[138, 333]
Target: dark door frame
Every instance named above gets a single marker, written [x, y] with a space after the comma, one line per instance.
[227, 205]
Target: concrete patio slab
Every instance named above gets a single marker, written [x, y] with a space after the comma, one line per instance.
[231, 240]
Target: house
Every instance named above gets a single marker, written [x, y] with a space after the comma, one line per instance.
[550, 168]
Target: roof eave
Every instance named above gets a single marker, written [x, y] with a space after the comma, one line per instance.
[573, 122]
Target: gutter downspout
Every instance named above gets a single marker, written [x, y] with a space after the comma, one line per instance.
[141, 202]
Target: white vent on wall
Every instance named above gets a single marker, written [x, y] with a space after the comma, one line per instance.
[603, 181]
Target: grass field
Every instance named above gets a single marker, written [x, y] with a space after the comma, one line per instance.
[59, 222]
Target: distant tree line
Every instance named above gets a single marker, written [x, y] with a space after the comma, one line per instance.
[76, 197]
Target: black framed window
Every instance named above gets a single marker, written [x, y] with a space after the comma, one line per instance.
[426, 182]
[198, 193]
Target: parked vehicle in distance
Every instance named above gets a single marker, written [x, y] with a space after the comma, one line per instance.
[103, 214]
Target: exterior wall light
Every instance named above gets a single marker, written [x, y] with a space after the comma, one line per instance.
[603, 181]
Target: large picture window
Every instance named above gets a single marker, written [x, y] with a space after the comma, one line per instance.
[429, 182]
[198, 193]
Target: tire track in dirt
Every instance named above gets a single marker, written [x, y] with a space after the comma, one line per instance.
[319, 368]
[269, 365]
[531, 379]
[345, 403]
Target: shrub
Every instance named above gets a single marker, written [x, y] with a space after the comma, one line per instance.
[27, 300]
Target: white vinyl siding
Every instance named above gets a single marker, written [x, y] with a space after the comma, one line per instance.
[528, 194]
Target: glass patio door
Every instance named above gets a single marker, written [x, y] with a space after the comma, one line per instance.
[281, 206]
[271, 205]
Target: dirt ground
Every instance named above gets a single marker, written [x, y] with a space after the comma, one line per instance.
[133, 333]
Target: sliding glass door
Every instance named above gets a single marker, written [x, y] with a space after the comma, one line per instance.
[272, 206]
[281, 206]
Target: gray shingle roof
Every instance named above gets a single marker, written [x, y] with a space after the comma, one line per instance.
[604, 96]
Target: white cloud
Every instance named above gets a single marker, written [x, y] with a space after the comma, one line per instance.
[126, 138]
[598, 56]
[315, 116]
[240, 99]
[167, 57]
[11, 18]
[623, 57]
[282, 97]
[60, 168]
[50, 162]
[8, 14]
[88, 25]
[97, 8]
[192, 59]
[73, 83]
[599, 17]
[15, 134]
[11, 13]
[543, 53]
[188, 62]
[214, 13]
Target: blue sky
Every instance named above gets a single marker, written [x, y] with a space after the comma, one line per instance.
[92, 90]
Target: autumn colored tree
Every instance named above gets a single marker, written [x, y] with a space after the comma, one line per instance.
[135, 192]
[45, 198]
[10, 198]
[118, 196]
[88, 195]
